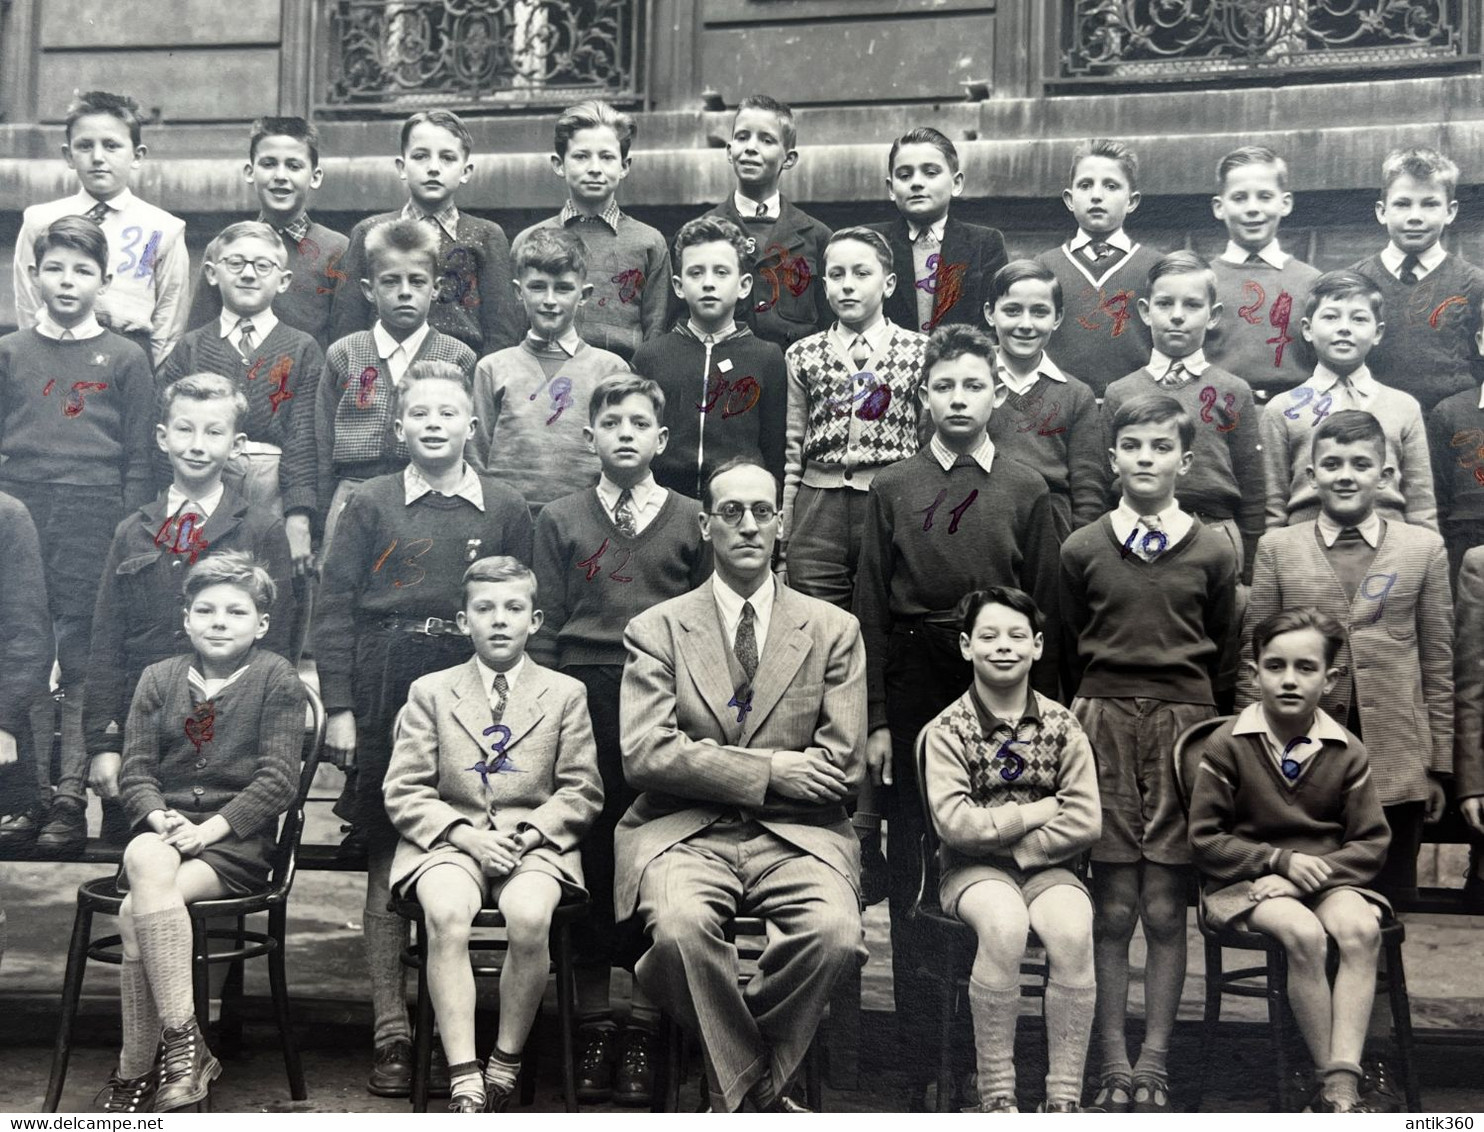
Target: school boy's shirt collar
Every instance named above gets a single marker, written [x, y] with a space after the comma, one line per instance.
[262, 325]
[86, 202]
[732, 331]
[386, 345]
[875, 335]
[568, 342]
[937, 228]
[295, 229]
[983, 454]
[1118, 239]
[206, 504]
[48, 327]
[1392, 256]
[415, 486]
[446, 218]
[1272, 254]
[647, 496]
[729, 605]
[208, 688]
[989, 723]
[1370, 529]
[487, 675]
[1020, 386]
[1361, 381]
[610, 215]
[1195, 364]
[747, 208]
[1252, 720]
[1175, 523]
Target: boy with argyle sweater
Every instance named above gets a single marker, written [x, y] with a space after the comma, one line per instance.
[852, 410]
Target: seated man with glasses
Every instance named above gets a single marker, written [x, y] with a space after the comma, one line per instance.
[744, 724]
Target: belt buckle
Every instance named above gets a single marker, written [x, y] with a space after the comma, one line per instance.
[428, 625]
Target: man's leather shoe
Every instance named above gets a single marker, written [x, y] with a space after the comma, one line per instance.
[391, 1076]
[633, 1085]
[595, 1063]
[19, 829]
[66, 827]
[439, 1084]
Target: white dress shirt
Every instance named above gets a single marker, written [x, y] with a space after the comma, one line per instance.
[487, 674]
[1195, 364]
[397, 355]
[1020, 386]
[262, 325]
[1392, 256]
[983, 453]
[1369, 530]
[729, 605]
[648, 498]
[1128, 526]
[748, 207]
[1271, 254]
[175, 499]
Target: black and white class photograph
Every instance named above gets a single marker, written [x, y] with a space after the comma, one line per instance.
[764, 556]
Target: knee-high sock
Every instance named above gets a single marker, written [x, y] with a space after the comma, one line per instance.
[140, 1018]
[995, 1011]
[385, 936]
[165, 951]
[1069, 1015]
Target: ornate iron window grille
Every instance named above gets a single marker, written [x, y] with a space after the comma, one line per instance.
[1162, 41]
[402, 55]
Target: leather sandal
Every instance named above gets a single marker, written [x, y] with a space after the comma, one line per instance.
[1115, 1093]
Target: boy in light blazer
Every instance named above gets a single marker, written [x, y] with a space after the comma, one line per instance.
[493, 782]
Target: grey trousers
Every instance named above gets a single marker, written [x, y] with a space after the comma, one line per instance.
[757, 1035]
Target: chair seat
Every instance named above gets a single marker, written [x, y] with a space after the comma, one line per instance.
[1245, 939]
[102, 894]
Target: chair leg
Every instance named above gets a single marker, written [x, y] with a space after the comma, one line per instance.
[946, 1004]
[566, 1014]
[422, 1032]
[674, 1064]
[1277, 998]
[1210, 1020]
[1401, 1023]
[843, 1027]
[279, 984]
[77, 962]
[814, 1075]
[229, 1024]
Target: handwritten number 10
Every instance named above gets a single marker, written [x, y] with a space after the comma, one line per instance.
[957, 512]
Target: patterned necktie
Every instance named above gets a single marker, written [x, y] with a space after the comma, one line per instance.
[1149, 548]
[926, 240]
[1347, 393]
[97, 212]
[860, 352]
[762, 212]
[623, 514]
[1408, 272]
[745, 645]
[502, 690]
[1174, 377]
[1349, 534]
[245, 341]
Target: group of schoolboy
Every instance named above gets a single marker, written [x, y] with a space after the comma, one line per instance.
[390, 409]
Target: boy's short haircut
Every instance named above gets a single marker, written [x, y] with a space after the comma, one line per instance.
[552, 251]
[204, 387]
[446, 119]
[1018, 271]
[499, 568]
[954, 341]
[1294, 621]
[711, 472]
[410, 236]
[1183, 263]
[1113, 150]
[1008, 596]
[711, 230]
[300, 129]
[1350, 426]
[429, 370]
[924, 135]
[232, 568]
[868, 236]
[1421, 164]
[1251, 155]
[119, 106]
[1345, 285]
[1154, 408]
[780, 110]
[612, 390]
[594, 114]
[75, 232]
[244, 230]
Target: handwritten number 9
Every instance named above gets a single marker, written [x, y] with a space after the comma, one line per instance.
[1385, 581]
[561, 397]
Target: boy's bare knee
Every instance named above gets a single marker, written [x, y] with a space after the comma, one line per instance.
[147, 859]
[447, 921]
[1116, 918]
[527, 926]
[1358, 935]
[1164, 916]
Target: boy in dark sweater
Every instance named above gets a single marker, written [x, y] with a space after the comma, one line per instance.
[784, 245]
[528, 429]
[386, 615]
[1147, 606]
[136, 622]
[283, 169]
[76, 412]
[1287, 829]
[1455, 439]
[1261, 287]
[1048, 419]
[1101, 270]
[1223, 486]
[949, 262]
[26, 652]
[473, 302]
[727, 385]
[955, 517]
[351, 435]
[629, 262]
[604, 555]
[1434, 301]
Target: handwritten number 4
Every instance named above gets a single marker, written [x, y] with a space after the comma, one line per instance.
[957, 512]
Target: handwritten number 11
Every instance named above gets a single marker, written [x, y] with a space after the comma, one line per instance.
[957, 512]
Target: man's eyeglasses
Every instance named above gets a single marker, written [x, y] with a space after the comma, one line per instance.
[236, 263]
[731, 513]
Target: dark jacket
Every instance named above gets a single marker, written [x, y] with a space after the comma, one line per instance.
[968, 259]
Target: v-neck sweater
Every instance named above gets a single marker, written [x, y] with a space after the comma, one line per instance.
[1137, 628]
[1101, 336]
[1246, 820]
[592, 579]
